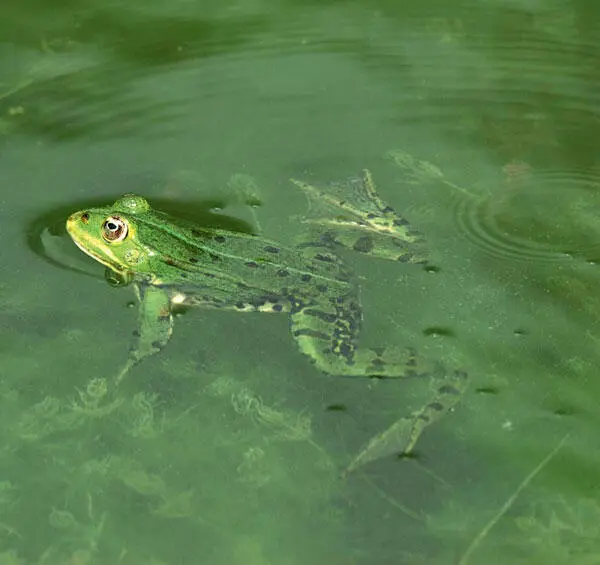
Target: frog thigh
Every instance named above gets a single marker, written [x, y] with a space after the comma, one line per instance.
[327, 333]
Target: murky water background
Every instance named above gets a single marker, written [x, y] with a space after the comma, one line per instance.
[227, 448]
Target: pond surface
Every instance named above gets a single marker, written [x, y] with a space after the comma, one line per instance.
[479, 122]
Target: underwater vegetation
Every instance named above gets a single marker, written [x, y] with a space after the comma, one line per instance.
[86, 479]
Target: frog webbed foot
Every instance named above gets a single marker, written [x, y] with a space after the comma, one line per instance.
[355, 217]
[401, 437]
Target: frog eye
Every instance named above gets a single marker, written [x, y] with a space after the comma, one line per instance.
[114, 229]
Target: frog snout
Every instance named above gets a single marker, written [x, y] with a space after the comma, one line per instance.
[72, 220]
[76, 218]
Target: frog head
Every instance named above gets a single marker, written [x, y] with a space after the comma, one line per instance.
[111, 234]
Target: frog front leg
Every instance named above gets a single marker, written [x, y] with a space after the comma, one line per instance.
[327, 332]
[155, 326]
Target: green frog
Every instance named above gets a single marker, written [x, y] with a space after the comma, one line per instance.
[173, 262]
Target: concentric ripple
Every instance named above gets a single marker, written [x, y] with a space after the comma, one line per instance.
[546, 216]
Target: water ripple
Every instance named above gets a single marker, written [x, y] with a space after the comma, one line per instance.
[541, 216]
[529, 215]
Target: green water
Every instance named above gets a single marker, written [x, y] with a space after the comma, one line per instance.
[223, 449]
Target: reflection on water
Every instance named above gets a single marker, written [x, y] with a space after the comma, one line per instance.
[228, 449]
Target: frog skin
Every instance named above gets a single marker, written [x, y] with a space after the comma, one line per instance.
[173, 262]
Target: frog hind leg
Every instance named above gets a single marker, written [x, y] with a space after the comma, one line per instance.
[327, 334]
[155, 326]
[400, 438]
[352, 215]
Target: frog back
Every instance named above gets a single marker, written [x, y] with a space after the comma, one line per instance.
[191, 257]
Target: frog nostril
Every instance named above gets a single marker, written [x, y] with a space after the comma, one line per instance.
[85, 217]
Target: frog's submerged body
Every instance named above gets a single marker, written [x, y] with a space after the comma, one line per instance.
[174, 262]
